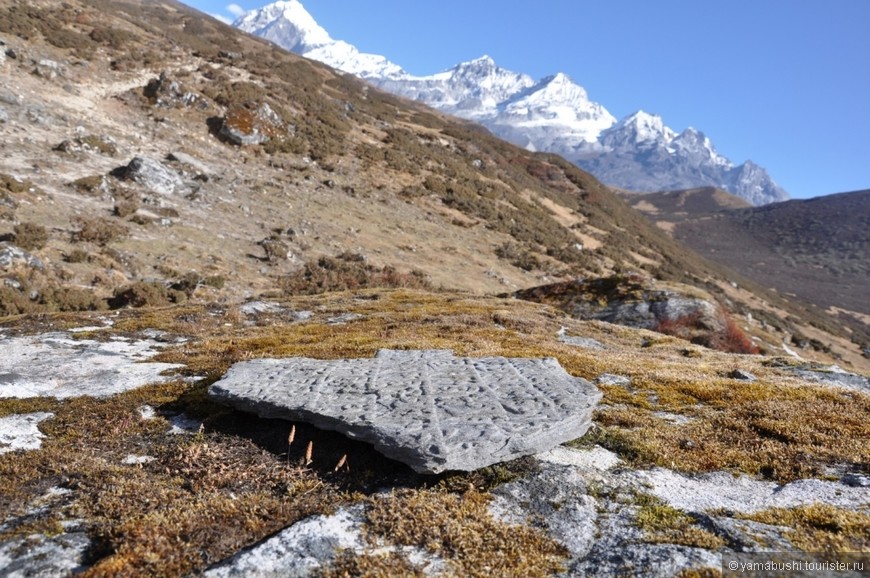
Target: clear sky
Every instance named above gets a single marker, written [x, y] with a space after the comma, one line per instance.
[785, 83]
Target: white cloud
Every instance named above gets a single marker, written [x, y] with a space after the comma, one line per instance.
[222, 18]
[235, 10]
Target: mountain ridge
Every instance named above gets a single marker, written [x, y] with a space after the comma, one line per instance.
[553, 114]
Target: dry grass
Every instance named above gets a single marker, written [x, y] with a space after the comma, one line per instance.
[821, 528]
[459, 529]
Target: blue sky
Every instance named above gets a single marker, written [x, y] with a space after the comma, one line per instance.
[785, 83]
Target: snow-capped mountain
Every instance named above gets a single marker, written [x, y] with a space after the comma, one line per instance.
[554, 114]
[472, 89]
[290, 26]
[642, 151]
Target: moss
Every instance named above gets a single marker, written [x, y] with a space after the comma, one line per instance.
[387, 565]
[820, 527]
[662, 523]
[459, 529]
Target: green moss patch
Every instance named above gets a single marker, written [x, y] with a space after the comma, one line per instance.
[663, 523]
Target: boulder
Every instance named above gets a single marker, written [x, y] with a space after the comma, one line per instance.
[13, 256]
[153, 175]
[247, 125]
[47, 69]
[428, 409]
[636, 301]
[168, 92]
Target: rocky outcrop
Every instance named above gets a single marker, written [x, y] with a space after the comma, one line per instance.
[252, 125]
[12, 256]
[626, 300]
[428, 409]
[168, 92]
[640, 302]
[153, 175]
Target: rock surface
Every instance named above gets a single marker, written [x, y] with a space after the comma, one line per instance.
[297, 550]
[835, 376]
[21, 431]
[153, 175]
[428, 409]
[11, 256]
[54, 365]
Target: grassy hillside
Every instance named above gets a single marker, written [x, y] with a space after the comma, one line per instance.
[341, 169]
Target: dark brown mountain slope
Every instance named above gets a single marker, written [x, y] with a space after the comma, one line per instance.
[817, 250]
[339, 168]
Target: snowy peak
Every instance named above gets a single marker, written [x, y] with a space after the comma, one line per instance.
[290, 26]
[287, 24]
[693, 142]
[642, 127]
[555, 103]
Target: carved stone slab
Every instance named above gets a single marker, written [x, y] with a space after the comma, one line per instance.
[428, 409]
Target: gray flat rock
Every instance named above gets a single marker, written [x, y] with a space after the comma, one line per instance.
[428, 409]
[297, 550]
[55, 365]
[21, 431]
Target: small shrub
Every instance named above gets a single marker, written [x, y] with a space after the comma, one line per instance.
[93, 185]
[732, 339]
[125, 207]
[215, 281]
[348, 271]
[275, 249]
[111, 37]
[70, 299]
[145, 294]
[517, 256]
[188, 283]
[98, 230]
[30, 236]
[77, 256]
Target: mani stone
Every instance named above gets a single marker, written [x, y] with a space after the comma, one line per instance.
[428, 409]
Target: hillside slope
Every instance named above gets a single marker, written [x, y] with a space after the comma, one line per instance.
[123, 144]
[815, 250]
